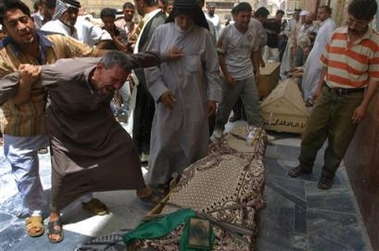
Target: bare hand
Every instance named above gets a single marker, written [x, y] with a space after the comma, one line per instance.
[211, 107]
[230, 80]
[358, 114]
[175, 53]
[29, 73]
[316, 94]
[168, 99]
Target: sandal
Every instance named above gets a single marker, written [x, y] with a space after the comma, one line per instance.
[51, 229]
[162, 189]
[34, 226]
[325, 182]
[152, 199]
[297, 171]
[96, 207]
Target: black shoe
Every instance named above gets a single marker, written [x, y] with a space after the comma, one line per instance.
[325, 183]
[234, 118]
[298, 171]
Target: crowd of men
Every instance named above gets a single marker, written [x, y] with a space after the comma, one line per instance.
[177, 75]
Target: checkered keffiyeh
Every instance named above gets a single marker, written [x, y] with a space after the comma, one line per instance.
[63, 5]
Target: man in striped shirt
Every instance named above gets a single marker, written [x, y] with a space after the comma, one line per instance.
[349, 79]
[23, 120]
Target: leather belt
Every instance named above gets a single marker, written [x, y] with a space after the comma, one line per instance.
[344, 91]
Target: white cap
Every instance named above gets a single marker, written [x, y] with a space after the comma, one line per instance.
[304, 13]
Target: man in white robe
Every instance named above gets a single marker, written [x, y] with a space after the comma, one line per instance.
[214, 18]
[66, 21]
[185, 93]
[313, 66]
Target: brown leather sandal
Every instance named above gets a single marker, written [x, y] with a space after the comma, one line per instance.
[52, 229]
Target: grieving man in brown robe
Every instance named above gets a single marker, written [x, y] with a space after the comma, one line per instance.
[90, 149]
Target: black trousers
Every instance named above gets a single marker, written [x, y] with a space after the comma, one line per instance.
[143, 118]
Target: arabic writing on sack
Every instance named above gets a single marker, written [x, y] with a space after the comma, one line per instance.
[284, 122]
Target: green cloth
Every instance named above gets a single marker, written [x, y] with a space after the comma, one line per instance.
[161, 227]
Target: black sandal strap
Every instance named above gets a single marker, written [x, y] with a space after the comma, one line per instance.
[52, 224]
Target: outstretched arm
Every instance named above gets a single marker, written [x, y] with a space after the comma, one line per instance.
[9, 86]
[149, 58]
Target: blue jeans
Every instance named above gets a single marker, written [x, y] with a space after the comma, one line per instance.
[330, 119]
[22, 154]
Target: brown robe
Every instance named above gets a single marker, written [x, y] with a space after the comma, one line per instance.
[90, 149]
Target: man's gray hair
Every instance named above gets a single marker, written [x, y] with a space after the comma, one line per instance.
[112, 58]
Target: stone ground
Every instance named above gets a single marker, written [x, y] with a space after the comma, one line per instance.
[298, 216]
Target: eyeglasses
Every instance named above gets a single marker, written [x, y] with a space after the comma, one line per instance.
[13, 23]
[359, 23]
